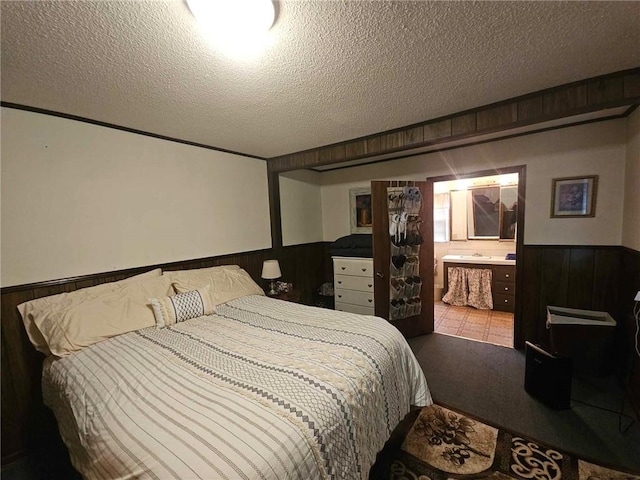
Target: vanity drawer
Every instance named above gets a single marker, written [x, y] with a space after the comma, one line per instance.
[503, 302]
[505, 274]
[503, 288]
[351, 282]
[354, 297]
[347, 307]
[361, 267]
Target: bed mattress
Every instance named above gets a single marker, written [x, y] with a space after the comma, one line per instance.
[261, 389]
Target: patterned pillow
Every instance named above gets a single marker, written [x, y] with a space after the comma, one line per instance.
[181, 307]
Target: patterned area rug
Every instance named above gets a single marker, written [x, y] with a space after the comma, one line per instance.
[436, 443]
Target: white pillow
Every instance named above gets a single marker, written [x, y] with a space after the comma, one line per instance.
[183, 306]
[34, 308]
[226, 284]
[74, 326]
[186, 275]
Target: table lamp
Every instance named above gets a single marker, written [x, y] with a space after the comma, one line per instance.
[271, 271]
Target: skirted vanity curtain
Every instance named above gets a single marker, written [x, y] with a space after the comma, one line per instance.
[469, 287]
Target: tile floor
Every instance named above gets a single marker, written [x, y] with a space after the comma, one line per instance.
[488, 326]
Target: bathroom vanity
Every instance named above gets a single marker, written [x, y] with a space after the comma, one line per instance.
[503, 276]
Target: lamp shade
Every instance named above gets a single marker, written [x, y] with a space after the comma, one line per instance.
[271, 269]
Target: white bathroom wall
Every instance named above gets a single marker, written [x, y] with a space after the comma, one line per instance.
[80, 199]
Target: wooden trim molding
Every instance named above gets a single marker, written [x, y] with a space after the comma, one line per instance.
[275, 214]
[77, 118]
[599, 93]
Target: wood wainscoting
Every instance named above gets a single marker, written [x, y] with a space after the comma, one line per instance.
[592, 277]
[585, 277]
[629, 359]
[306, 266]
[604, 278]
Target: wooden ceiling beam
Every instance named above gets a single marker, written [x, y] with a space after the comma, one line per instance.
[586, 96]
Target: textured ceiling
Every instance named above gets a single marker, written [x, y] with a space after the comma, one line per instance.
[335, 70]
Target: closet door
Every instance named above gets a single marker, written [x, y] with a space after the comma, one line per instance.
[403, 256]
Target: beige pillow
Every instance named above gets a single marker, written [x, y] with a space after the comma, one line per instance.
[76, 325]
[31, 309]
[186, 276]
[183, 306]
[225, 284]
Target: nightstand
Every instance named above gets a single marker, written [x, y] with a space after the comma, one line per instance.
[292, 296]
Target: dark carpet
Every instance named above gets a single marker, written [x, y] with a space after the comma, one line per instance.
[487, 382]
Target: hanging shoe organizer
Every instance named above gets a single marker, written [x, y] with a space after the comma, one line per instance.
[404, 205]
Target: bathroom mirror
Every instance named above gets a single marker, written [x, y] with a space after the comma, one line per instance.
[484, 213]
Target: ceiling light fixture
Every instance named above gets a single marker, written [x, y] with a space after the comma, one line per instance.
[235, 26]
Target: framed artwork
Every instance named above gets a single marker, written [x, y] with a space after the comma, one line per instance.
[574, 196]
[360, 204]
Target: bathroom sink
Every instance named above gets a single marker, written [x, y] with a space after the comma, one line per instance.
[478, 259]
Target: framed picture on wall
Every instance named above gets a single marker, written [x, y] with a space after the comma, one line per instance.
[360, 204]
[574, 196]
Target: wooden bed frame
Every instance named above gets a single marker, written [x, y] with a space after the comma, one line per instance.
[22, 408]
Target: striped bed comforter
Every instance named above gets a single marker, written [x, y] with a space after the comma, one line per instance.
[262, 389]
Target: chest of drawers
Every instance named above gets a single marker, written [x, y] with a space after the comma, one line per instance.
[503, 287]
[353, 284]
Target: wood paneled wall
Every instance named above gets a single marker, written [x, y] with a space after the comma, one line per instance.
[591, 277]
[629, 359]
[306, 266]
[582, 277]
[587, 277]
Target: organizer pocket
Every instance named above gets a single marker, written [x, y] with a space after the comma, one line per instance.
[411, 266]
[413, 307]
[412, 286]
[397, 309]
[397, 289]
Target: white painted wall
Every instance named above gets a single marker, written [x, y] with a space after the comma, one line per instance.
[301, 207]
[631, 219]
[79, 199]
[591, 149]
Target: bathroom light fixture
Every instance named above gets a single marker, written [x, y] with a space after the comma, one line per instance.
[236, 26]
[271, 271]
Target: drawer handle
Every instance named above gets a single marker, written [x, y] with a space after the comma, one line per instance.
[369, 300]
[506, 289]
[340, 296]
[369, 285]
[506, 301]
[340, 283]
[343, 268]
[506, 275]
[379, 275]
[364, 269]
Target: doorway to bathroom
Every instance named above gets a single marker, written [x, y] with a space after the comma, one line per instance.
[478, 225]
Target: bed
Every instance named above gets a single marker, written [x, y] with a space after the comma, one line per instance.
[261, 388]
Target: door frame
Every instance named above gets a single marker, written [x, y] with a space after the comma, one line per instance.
[521, 170]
